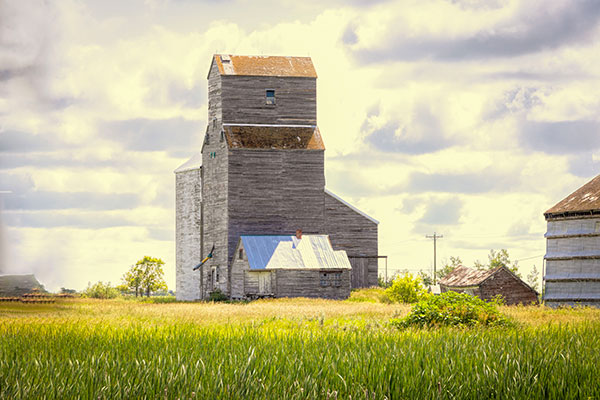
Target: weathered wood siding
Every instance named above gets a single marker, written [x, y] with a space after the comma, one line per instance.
[188, 204]
[572, 261]
[214, 95]
[243, 100]
[307, 283]
[353, 232]
[214, 208]
[274, 192]
[512, 289]
[239, 266]
[359, 276]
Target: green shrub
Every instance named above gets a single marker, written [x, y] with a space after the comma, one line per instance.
[101, 290]
[407, 289]
[217, 295]
[452, 309]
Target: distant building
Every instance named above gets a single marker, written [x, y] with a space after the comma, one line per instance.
[18, 285]
[486, 284]
[261, 172]
[289, 266]
[573, 248]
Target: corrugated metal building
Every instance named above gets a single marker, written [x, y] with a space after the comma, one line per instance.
[486, 284]
[289, 266]
[261, 172]
[572, 273]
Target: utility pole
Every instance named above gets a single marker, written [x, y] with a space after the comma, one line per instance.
[435, 237]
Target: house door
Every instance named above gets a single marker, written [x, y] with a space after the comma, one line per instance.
[264, 283]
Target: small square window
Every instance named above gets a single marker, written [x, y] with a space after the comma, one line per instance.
[271, 97]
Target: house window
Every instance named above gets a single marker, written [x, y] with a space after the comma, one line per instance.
[271, 96]
[222, 135]
[333, 279]
[241, 253]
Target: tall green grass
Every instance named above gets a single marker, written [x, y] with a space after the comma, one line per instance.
[285, 359]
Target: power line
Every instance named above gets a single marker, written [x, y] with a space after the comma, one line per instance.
[529, 258]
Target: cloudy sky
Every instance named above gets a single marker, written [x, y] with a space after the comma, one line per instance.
[462, 117]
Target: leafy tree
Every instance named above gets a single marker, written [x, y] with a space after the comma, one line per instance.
[497, 259]
[532, 277]
[100, 290]
[146, 276]
[134, 277]
[479, 265]
[501, 258]
[426, 278]
[407, 289]
[449, 266]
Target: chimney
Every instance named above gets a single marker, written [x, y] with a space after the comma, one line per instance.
[299, 233]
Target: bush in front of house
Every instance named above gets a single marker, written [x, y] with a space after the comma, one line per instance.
[452, 309]
[217, 295]
[407, 289]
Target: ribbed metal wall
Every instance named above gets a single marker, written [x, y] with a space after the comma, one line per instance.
[572, 261]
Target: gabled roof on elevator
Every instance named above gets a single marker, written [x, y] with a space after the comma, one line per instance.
[230, 64]
[586, 199]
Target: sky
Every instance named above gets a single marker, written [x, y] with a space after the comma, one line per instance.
[462, 117]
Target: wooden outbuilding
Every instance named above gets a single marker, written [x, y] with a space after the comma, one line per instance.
[289, 266]
[486, 284]
[572, 274]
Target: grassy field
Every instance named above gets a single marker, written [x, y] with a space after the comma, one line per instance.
[289, 349]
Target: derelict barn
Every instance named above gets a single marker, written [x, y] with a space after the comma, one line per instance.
[573, 248]
[486, 284]
[261, 172]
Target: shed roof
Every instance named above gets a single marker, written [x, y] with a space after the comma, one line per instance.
[584, 199]
[464, 276]
[229, 64]
[279, 251]
[273, 137]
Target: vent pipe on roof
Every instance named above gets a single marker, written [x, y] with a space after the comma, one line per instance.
[299, 233]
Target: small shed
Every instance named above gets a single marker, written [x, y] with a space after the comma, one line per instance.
[486, 284]
[289, 266]
[18, 285]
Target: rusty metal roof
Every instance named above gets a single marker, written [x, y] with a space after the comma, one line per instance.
[584, 199]
[229, 64]
[464, 276]
[273, 137]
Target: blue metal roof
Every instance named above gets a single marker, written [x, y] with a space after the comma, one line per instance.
[259, 249]
[276, 252]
